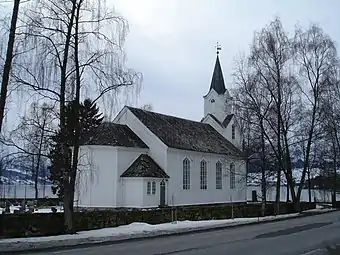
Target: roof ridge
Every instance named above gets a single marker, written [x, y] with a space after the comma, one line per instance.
[167, 115]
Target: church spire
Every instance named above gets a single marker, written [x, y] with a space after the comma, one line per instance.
[217, 81]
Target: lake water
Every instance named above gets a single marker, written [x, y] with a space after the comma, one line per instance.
[27, 191]
[24, 191]
[318, 195]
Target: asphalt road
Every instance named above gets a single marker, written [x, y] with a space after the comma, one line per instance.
[308, 236]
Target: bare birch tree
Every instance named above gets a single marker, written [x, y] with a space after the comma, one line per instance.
[315, 54]
[32, 136]
[254, 102]
[270, 55]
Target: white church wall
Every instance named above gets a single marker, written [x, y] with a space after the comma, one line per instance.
[125, 157]
[96, 177]
[195, 195]
[132, 191]
[157, 148]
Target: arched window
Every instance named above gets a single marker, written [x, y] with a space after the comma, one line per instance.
[233, 132]
[218, 175]
[148, 188]
[186, 174]
[203, 174]
[232, 176]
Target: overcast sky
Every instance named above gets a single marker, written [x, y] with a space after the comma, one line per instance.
[172, 42]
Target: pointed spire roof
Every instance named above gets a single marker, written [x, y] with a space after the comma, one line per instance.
[217, 81]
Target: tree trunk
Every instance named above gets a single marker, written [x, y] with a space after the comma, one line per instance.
[287, 191]
[288, 165]
[309, 187]
[39, 158]
[33, 172]
[279, 146]
[334, 176]
[68, 213]
[8, 61]
[77, 133]
[278, 192]
[36, 195]
[263, 171]
[308, 148]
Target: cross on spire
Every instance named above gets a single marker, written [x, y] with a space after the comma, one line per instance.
[218, 48]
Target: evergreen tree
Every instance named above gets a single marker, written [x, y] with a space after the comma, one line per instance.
[90, 119]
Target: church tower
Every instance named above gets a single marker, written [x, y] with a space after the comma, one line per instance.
[218, 106]
[218, 101]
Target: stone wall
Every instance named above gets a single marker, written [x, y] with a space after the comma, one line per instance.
[24, 225]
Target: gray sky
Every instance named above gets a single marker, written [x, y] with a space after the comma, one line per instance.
[172, 42]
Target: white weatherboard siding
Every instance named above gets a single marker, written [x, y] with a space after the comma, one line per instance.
[101, 183]
[125, 157]
[227, 133]
[157, 148]
[178, 196]
[132, 189]
[135, 192]
[216, 108]
[97, 176]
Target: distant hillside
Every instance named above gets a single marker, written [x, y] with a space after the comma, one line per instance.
[17, 176]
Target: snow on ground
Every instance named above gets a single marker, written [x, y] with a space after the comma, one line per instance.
[48, 210]
[143, 228]
[36, 210]
[318, 210]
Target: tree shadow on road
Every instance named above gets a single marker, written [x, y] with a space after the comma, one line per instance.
[334, 250]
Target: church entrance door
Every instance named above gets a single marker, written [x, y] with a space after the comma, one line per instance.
[162, 193]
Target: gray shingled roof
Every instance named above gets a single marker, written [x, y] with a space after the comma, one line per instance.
[217, 81]
[185, 134]
[113, 134]
[145, 166]
[225, 122]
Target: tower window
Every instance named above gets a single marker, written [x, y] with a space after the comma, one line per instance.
[233, 132]
[212, 100]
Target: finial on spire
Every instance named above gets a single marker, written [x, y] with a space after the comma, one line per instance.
[218, 48]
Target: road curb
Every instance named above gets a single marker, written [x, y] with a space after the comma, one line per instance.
[87, 242]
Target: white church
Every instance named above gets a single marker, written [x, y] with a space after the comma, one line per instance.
[146, 159]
